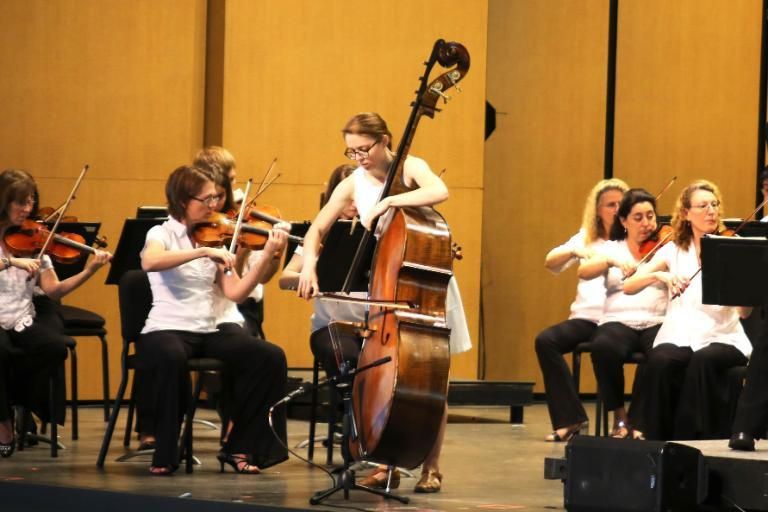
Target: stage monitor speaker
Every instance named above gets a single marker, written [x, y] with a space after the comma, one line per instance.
[620, 475]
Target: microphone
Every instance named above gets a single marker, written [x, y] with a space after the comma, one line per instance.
[293, 394]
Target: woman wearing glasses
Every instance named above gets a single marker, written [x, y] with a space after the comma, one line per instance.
[566, 413]
[32, 348]
[369, 144]
[682, 390]
[182, 324]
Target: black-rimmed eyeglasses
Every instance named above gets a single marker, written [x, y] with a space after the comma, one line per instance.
[354, 154]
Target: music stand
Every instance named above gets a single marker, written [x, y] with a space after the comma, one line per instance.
[151, 212]
[734, 271]
[299, 229]
[88, 230]
[127, 255]
[337, 255]
[752, 228]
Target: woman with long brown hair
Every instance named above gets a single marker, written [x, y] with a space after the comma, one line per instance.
[566, 413]
[681, 392]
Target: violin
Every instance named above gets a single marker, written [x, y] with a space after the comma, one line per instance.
[27, 240]
[655, 242]
[218, 230]
[49, 214]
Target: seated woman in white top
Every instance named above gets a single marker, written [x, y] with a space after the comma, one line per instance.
[629, 322]
[31, 350]
[682, 390]
[182, 324]
[566, 413]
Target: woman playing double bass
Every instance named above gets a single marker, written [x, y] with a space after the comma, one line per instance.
[368, 142]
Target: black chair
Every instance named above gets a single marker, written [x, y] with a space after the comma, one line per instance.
[23, 417]
[332, 408]
[81, 323]
[135, 297]
[601, 414]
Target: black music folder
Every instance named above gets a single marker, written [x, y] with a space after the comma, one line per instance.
[336, 258]
[734, 271]
[127, 255]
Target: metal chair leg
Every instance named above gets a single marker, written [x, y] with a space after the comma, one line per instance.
[73, 377]
[105, 374]
[112, 421]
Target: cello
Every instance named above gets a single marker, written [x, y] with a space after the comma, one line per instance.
[398, 406]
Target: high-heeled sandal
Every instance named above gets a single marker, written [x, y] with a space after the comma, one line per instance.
[554, 437]
[238, 462]
[430, 481]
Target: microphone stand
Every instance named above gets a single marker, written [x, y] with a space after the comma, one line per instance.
[345, 480]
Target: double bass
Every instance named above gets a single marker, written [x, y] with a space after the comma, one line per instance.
[398, 406]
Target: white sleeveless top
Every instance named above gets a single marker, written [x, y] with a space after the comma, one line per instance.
[366, 196]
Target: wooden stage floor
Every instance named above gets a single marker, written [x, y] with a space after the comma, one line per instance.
[488, 463]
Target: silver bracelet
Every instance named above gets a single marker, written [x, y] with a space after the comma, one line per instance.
[6, 263]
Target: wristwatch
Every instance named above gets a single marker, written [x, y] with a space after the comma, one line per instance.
[6, 263]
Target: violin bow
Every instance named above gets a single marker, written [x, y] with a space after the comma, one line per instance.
[54, 213]
[266, 175]
[666, 187]
[735, 232]
[238, 224]
[63, 209]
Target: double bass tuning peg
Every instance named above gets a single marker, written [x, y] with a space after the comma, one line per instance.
[437, 88]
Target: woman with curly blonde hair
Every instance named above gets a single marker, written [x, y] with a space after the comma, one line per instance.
[565, 410]
[682, 392]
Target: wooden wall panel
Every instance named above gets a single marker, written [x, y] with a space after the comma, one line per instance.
[291, 83]
[118, 85]
[687, 96]
[546, 78]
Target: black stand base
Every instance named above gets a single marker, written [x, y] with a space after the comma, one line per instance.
[346, 481]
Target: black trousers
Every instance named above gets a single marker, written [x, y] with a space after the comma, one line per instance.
[562, 396]
[256, 369]
[752, 410]
[612, 344]
[322, 348]
[28, 359]
[682, 394]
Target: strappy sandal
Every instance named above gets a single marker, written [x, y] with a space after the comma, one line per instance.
[378, 479]
[162, 470]
[554, 437]
[430, 481]
[621, 431]
[238, 462]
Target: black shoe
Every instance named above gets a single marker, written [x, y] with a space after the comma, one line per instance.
[742, 441]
